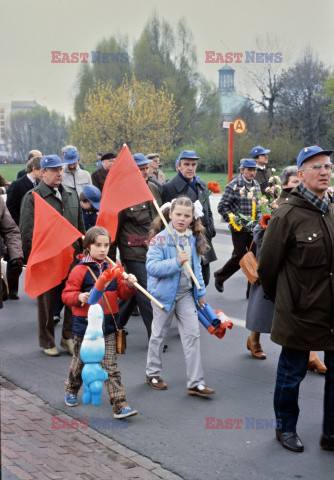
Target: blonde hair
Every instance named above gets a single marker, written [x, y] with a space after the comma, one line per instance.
[196, 225]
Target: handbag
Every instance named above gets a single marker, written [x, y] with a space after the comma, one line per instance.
[248, 265]
[120, 334]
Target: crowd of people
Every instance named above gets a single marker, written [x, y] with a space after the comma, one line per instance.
[293, 298]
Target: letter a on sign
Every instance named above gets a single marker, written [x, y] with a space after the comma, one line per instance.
[239, 125]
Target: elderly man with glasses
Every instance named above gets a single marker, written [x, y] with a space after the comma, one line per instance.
[296, 270]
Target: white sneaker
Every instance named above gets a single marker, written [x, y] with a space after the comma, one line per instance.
[67, 344]
[51, 352]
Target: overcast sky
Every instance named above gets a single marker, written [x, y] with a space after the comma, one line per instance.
[30, 30]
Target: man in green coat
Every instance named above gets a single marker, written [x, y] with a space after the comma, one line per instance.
[66, 201]
[296, 270]
[263, 172]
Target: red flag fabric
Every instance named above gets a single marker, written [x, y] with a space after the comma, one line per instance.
[51, 252]
[123, 188]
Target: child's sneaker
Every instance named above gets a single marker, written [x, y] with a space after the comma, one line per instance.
[71, 400]
[126, 412]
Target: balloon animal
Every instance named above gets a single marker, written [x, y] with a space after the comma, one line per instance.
[92, 352]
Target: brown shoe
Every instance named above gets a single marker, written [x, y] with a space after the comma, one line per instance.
[256, 350]
[201, 391]
[317, 365]
[156, 382]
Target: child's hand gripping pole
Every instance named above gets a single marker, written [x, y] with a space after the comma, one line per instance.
[188, 267]
[136, 284]
[102, 282]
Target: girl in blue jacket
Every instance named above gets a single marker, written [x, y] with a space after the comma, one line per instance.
[169, 281]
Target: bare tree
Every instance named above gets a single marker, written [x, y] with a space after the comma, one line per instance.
[303, 103]
[37, 128]
[263, 68]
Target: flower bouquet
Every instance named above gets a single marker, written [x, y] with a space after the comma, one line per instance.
[266, 204]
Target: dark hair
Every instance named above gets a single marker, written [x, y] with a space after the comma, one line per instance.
[196, 225]
[91, 235]
[107, 156]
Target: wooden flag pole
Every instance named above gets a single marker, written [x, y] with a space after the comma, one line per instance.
[145, 292]
[175, 243]
[142, 289]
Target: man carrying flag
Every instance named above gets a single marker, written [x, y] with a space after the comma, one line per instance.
[127, 212]
[66, 202]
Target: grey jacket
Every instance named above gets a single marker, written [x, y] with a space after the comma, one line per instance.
[77, 180]
[10, 233]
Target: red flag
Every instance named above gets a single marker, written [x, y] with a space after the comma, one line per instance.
[51, 252]
[123, 188]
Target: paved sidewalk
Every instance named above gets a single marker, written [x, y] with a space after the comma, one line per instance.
[33, 446]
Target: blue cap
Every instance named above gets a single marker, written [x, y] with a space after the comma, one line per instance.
[308, 152]
[93, 195]
[177, 161]
[51, 161]
[190, 154]
[248, 163]
[140, 159]
[71, 155]
[258, 151]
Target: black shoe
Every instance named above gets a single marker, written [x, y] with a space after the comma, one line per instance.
[218, 284]
[135, 312]
[13, 296]
[125, 330]
[290, 441]
[327, 442]
[165, 348]
[56, 319]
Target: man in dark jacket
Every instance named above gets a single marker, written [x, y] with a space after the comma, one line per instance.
[296, 272]
[263, 173]
[134, 225]
[187, 184]
[31, 154]
[233, 202]
[16, 192]
[100, 175]
[66, 201]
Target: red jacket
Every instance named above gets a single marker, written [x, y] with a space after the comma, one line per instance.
[80, 280]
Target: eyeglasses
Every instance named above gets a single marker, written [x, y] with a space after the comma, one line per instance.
[317, 167]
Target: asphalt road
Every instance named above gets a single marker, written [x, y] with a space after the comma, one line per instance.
[171, 426]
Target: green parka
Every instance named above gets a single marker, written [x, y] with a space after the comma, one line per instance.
[296, 267]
